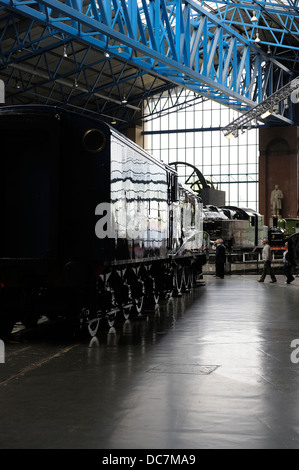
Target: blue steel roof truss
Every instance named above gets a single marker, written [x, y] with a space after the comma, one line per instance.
[210, 51]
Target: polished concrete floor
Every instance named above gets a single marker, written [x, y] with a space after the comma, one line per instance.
[216, 368]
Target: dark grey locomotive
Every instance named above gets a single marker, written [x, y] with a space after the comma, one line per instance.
[91, 224]
[240, 228]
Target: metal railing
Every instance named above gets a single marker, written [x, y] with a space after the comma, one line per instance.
[244, 262]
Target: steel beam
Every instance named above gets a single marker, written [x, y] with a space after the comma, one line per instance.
[178, 40]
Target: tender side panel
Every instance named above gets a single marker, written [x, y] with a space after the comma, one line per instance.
[139, 197]
[29, 186]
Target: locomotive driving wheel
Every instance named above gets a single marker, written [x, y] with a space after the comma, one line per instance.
[134, 279]
[148, 276]
[111, 316]
[178, 279]
[106, 307]
[139, 304]
[188, 278]
[93, 326]
[127, 310]
[122, 292]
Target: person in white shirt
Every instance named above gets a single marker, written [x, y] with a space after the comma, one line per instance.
[266, 254]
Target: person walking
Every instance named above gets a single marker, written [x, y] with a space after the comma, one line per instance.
[266, 255]
[287, 265]
[219, 259]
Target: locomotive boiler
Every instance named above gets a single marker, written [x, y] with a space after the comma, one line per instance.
[92, 226]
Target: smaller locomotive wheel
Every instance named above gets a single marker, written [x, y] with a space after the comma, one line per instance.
[111, 317]
[93, 326]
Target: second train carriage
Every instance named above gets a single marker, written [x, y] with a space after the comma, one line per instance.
[91, 224]
[240, 228]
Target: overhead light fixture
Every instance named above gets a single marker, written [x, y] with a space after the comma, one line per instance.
[76, 83]
[18, 86]
[233, 133]
[107, 54]
[230, 135]
[269, 50]
[267, 113]
[257, 38]
[113, 122]
[64, 52]
[254, 18]
[124, 100]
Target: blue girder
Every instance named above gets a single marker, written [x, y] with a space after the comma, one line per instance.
[207, 47]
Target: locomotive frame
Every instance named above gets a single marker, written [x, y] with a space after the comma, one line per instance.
[93, 225]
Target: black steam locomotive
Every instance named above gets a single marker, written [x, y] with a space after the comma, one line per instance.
[240, 228]
[92, 226]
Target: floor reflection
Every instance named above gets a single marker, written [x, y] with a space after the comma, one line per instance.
[147, 328]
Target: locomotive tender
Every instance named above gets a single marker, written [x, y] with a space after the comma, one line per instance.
[92, 226]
